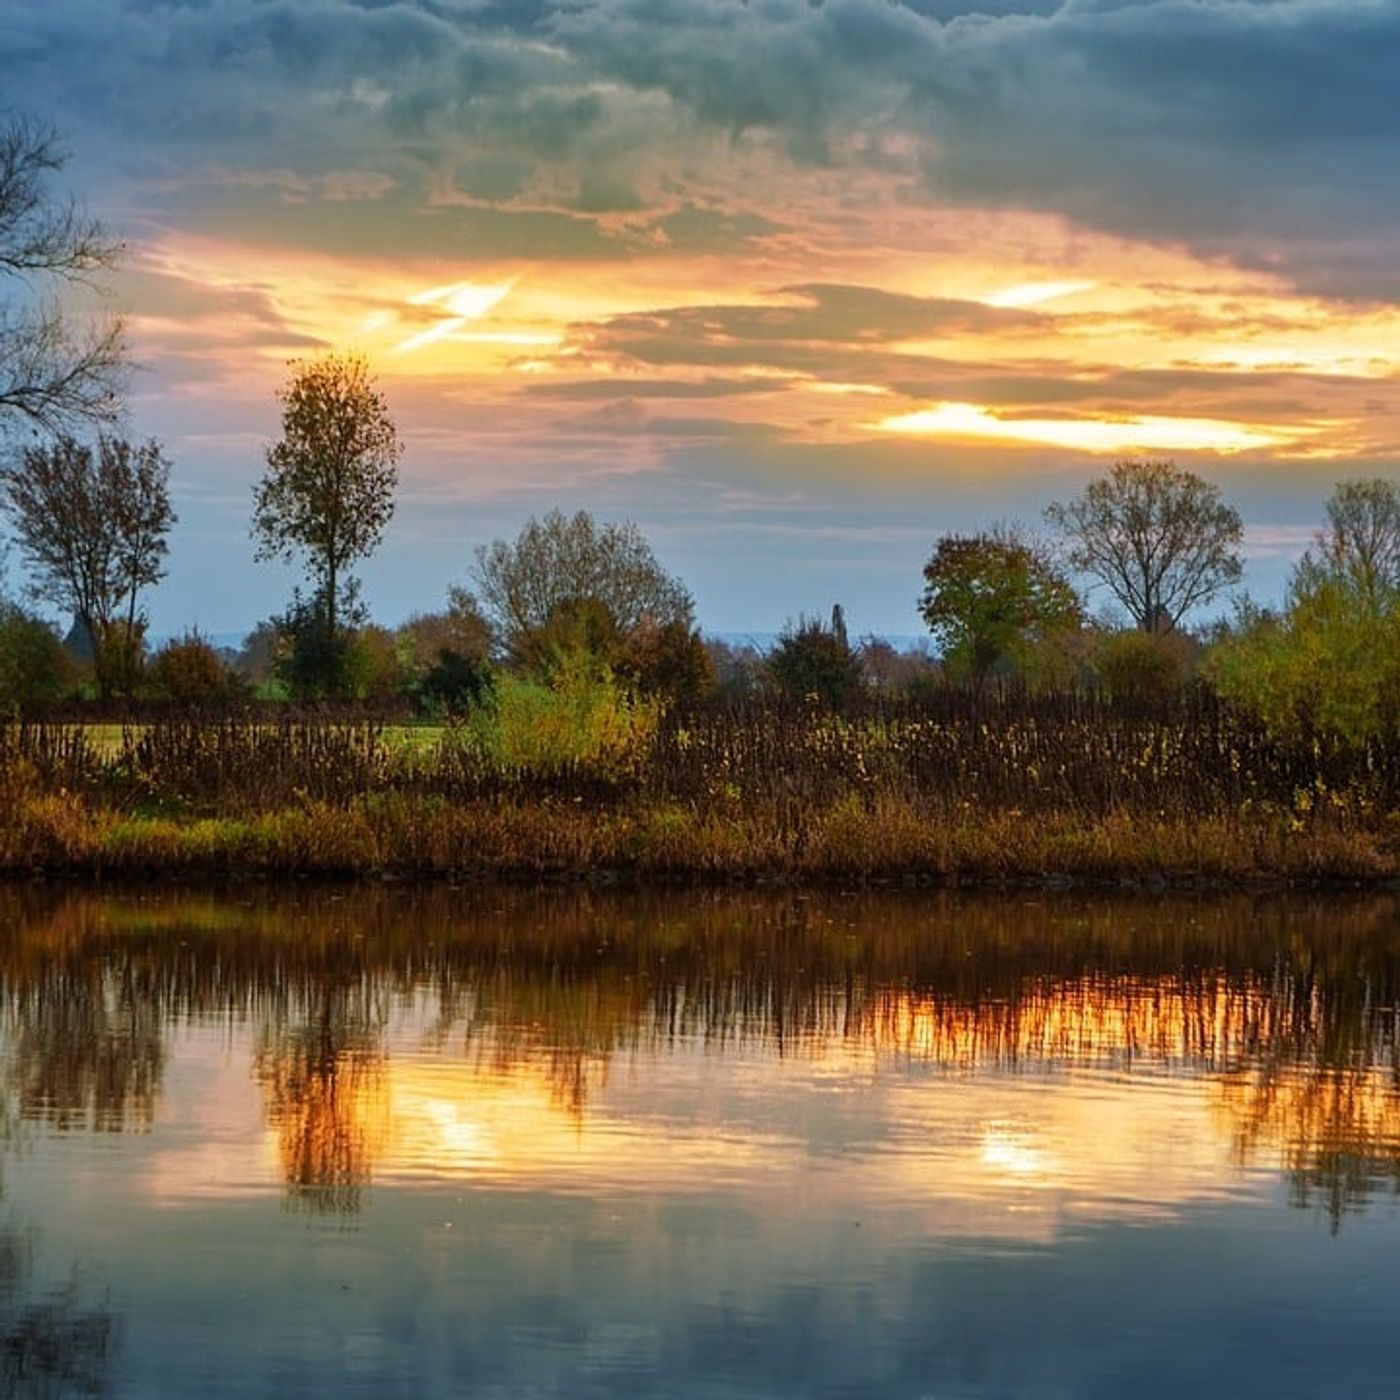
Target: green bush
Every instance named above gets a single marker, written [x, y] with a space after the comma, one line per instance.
[1329, 665]
[34, 667]
[1142, 666]
[583, 719]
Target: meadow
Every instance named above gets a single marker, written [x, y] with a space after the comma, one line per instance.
[1005, 786]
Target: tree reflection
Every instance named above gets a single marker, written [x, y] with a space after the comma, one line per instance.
[321, 1070]
[1287, 1005]
[53, 1342]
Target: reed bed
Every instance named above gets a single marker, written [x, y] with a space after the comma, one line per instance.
[998, 787]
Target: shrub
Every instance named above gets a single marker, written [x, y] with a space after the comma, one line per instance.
[813, 662]
[34, 667]
[1142, 666]
[188, 671]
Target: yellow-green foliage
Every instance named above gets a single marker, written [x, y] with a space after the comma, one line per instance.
[1330, 665]
[1143, 666]
[584, 718]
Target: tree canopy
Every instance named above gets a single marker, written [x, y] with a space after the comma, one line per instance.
[92, 524]
[1158, 537]
[54, 375]
[1360, 545]
[328, 492]
[993, 596]
[559, 564]
[812, 661]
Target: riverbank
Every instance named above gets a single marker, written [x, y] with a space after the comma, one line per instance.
[850, 841]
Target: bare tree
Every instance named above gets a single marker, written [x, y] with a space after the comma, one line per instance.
[564, 561]
[329, 488]
[1361, 544]
[1158, 537]
[92, 524]
[53, 375]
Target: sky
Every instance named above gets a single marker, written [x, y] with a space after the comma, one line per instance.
[797, 286]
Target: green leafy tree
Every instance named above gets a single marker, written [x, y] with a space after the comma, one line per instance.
[564, 562]
[54, 375]
[992, 598]
[92, 523]
[669, 661]
[1159, 538]
[311, 661]
[328, 494]
[454, 685]
[1329, 664]
[813, 662]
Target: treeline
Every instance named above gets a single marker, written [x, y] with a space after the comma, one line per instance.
[576, 621]
[577, 618]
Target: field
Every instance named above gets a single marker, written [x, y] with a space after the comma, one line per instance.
[1005, 788]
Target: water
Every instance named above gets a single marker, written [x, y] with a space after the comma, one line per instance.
[407, 1143]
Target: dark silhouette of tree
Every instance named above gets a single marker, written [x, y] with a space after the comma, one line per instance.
[811, 662]
[993, 597]
[53, 376]
[92, 524]
[328, 492]
[1158, 537]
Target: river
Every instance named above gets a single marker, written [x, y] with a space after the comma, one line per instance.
[411, 1142]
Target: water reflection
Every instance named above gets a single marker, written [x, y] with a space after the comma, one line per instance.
[455, 1033]
[53, 1342]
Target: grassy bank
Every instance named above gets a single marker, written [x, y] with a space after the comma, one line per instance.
[848, 841]
[1027, 791]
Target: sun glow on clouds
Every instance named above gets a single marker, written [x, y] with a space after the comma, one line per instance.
[1034, 293]
[966, 420]
[457, 303]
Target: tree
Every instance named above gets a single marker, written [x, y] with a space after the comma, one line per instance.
[992, 597]
[1158, 537]
[561, 562]
[814, 662]
[1328, 665]
[92, 523]
[52, 376]
[328, 492]
[1361, 544]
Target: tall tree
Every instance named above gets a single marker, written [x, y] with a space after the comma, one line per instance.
[92, 524]
[328, 492]
[994, 596]
[1360, 546]
[53, 375]
[1159, 538]
[562, 563]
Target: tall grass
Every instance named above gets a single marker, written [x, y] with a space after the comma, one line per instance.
[553, 782]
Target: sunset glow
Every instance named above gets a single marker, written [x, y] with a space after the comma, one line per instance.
[586, 284]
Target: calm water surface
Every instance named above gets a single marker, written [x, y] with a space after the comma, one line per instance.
[393, 1143]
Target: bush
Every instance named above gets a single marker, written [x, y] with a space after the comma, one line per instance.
[1330, 665]
[813, 662]
[34, 667]
[453, 685]
[1139, 666]
[584, 719]
[188, 671]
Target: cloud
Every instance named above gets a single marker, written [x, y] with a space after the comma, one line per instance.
[1259, 131]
